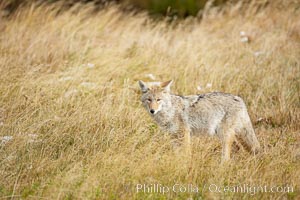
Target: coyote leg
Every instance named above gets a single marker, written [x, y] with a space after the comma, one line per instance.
[187, 142]
[227, 142]
[188, 153]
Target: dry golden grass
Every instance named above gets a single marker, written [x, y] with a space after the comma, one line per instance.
[70, 101]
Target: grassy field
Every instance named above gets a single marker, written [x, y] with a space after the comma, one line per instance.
[72, 125]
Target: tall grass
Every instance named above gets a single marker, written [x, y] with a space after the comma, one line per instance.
[72, 125]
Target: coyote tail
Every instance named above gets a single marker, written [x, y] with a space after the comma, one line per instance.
[248, 139]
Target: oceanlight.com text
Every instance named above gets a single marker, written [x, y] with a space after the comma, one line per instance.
[250, 189]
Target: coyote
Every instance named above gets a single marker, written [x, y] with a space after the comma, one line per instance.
[216, 113]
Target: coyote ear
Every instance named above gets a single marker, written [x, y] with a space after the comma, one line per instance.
[143, 86]
[166, 85]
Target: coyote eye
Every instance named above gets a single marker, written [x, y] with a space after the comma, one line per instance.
[149, 100]
[158, 100]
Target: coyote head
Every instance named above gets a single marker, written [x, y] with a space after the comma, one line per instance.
[155, 95]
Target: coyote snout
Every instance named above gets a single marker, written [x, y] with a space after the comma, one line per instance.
[220, 114]
[154, 105]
